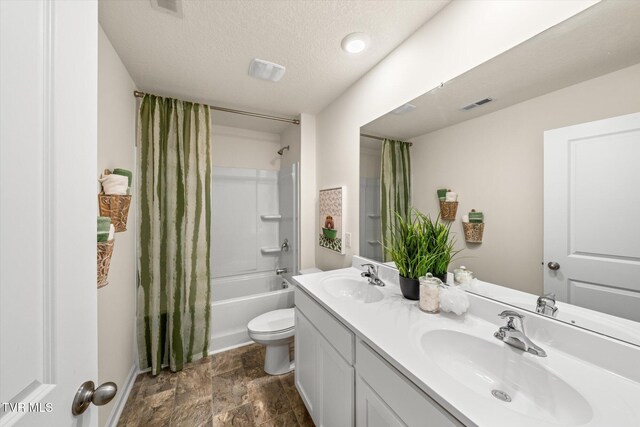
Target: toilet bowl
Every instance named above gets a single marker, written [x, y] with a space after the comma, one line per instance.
[275, 331]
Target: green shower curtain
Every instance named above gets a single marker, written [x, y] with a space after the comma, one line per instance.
[174, 223]
[395, 186]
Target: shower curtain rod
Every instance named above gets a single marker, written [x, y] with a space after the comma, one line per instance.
[381, 138]
[139, 94]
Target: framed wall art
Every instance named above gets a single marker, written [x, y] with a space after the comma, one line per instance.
[331, 227]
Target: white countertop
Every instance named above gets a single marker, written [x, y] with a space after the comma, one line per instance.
[394, 327]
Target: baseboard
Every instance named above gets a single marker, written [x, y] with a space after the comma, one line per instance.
[121, 398]
[231, 347]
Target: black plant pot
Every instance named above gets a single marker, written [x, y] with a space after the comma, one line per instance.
[410, 288]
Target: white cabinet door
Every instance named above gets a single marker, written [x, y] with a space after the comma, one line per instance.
[305, 358]
[48, 171]
[371, 410]
[591, 213]
[336, 387]
[324, 379]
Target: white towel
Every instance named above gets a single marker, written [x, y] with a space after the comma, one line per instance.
[112, 232]
[115, 184]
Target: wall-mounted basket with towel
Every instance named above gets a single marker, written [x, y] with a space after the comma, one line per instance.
[105, 250]
[448, 204]
[105, 241]
[473, 226]
[114, 201]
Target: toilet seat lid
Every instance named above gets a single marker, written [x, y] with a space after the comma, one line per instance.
[273, 321]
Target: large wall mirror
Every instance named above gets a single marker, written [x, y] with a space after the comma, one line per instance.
[551, 160]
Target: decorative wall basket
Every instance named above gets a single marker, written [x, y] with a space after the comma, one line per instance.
[473, 231]
[117, 208]
[448, 210]
[105, 250]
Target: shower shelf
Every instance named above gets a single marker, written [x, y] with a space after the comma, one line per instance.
[271, 217]
[270, 251]
[373, 242]
[373, 216]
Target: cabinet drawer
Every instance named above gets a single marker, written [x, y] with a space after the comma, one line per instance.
[341, 338]
[406, 400]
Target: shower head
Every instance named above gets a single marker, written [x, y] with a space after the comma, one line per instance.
[280, 151]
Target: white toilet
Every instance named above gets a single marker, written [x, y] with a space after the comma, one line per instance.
[275, 330]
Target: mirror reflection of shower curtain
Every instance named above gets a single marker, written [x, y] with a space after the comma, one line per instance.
[289, 210]
[395, 185]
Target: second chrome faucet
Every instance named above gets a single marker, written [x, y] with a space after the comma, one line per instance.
[372, 275]
[515, 336]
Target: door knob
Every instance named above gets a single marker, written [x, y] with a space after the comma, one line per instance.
[553, 265]
[88, 394]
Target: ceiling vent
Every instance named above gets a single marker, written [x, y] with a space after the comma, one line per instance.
[476, 104]
[265, 70]
[172, 7]
[404, 108]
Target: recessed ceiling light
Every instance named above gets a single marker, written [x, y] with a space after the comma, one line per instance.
[265, 70]
[355, 42]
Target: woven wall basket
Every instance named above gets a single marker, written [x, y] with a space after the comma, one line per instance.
[448, 210]
[105, 250]
[473, 231]
[115, 207]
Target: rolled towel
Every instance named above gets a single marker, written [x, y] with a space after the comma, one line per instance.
[112, 231]
[451, 196]
[115, 184]
[442, 193]
[124, 172]
[476, 217]
[104, 226]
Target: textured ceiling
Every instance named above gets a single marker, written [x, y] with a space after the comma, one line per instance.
[600, 40]
[205, 55]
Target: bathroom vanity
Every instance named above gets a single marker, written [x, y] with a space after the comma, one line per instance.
[366, 356]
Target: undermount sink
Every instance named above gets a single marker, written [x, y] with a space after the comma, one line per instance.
[349, 288]
[496, 370]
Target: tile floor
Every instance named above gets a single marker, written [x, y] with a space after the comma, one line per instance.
[226, 389]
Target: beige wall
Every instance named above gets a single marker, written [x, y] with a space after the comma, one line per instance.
[495, 164]
[116, 149]
[463, 35]
[242, 148]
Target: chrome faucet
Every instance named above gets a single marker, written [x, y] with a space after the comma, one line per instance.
[372, 275]
[515, 337]
[547, 305]
[280, 271]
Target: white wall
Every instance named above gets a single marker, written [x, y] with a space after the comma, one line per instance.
[308, 191]
[242, 148]
[290, 137]
[495, 163]
[463, 35]
[116, 149]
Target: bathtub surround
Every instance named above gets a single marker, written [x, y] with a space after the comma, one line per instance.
[395, 187]
[174, 153]
[257, 211]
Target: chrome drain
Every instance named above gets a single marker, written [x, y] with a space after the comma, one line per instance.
[501, 395]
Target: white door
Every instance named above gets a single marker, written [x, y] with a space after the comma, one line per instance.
[592, 215]
[371, 410]
[305, 343]
[48, 139]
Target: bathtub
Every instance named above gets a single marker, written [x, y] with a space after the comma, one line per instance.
[238, 299]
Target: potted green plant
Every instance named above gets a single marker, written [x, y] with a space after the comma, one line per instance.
[407, 247]
[439, 245]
